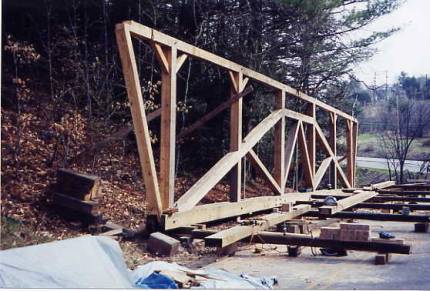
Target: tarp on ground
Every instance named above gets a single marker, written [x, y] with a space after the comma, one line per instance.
[98, 262]
[82, 262]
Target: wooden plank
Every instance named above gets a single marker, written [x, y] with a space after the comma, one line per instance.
[217, 211]
[160, 54]
[168, 130]
[236, 136]
[383, 198]
[374, 216]
[321, 171]
[347, 202]
[77, 185]
[305, 160]
[354, 148]
[333, 145]
[210, 115]
[298, 116]
[131, 77]
[226, 163]
[289, 149]
[330, 152]
[267, 237]
[349, 153]
[239, 232]
[383, 185]
[279, 144]
[147, 33]
[273, 184]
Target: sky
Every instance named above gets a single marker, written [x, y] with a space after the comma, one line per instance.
[407, 50]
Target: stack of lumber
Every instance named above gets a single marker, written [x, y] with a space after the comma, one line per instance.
[76, 192]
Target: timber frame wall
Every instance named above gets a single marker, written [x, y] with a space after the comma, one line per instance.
[171, 54]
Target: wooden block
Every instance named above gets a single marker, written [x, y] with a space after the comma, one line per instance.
[293, 228]
[76, 205]
[421, 227]
[294, 251]
[287, 207]
[380, 259]
[77, 185]
[163, 245]
[229, 250]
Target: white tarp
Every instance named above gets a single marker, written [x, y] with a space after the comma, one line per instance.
[83, 262]
[97, 262]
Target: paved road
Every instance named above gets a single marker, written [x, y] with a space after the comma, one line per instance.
[380, 163]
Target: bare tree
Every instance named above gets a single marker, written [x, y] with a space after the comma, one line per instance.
[408, 119]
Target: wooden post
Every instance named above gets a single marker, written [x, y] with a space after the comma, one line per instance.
[349, 152]
[332, 140]
[311, 140]
[279, 158]
[134, 92]
[236, 134]
[354, 155]
[167, 58]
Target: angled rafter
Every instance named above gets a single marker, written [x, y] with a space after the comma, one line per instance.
[305, 157]
[289, 149]
[324, 141]
[321, 171]
[255, 160]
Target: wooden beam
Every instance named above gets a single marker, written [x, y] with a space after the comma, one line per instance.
[180, 61]
[354, 149]
[405, 192]
[147, 33]
[372, 205]
[383, 198]
[305, 160]
[168, 130]
[321, 171]
[349, 153]
[374, 216]
[266, 237]
[226, 163]
[236, 136]
[239, 232]
[347, 202]
[333, 145]
[258, 164]
[383, 185]
[162, 58]
[135, 98]
[289, 149]
[210, 115]
[279, 144]
[222, 210]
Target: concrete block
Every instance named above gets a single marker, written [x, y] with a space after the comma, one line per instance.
[162, 245]
[332, 233]
[354, 226]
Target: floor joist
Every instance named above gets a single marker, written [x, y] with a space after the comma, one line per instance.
[347, 202]
[374, 216]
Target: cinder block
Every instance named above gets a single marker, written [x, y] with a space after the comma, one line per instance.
[162, 245]
[332, 233]
[354, 226]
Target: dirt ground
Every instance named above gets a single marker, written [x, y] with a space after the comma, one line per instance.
[355, 271]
